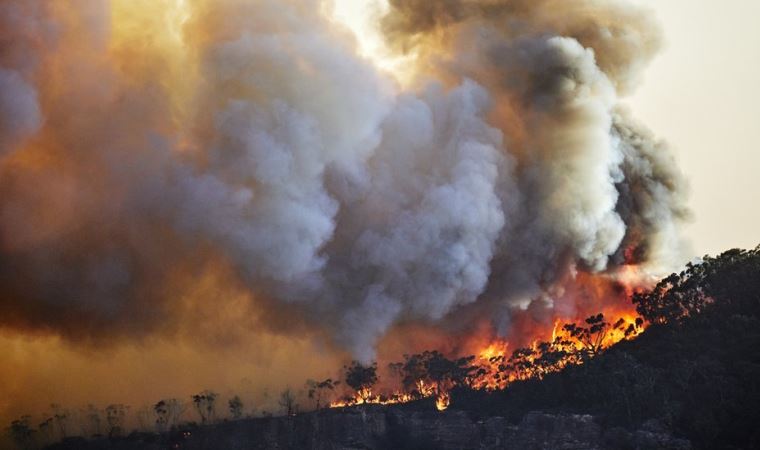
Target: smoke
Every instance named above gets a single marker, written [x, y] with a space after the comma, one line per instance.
[144, 144]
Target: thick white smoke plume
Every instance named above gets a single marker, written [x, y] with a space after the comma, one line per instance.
[144, 140]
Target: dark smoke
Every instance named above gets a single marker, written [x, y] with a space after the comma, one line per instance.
[255, 138]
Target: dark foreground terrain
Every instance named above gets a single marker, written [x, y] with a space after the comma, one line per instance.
[400, 428]
[692, 380]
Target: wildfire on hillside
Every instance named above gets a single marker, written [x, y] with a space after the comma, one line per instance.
[496, 363]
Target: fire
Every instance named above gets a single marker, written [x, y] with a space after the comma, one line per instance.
[425, 390]
[442, 401]
[536, 350]
[362, 398]
[490, 357]
[496, 348]
[496, 369]
[367, 397]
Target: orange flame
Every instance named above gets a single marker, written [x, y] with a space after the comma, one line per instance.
[569, 341]
[442, 401]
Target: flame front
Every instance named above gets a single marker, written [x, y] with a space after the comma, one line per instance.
[564, 342]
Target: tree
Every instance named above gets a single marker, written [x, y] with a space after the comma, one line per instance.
[730, 278]
[116, 414]
[575, 344]
[413, 372]
[168, 412]
[317, 390]
[446, 373]
[236, 407]
[361, 378]
[205, 404]
[430, 372]
[288, 402]
[591, 337]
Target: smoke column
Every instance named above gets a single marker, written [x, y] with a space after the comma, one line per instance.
[146, 144]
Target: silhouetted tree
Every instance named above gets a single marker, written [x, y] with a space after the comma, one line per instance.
[446, 373]
[590, 337]
[162, 415]
[431, 372]
[317, 390]
[287, 402]
[361, 378]
[731, 278]
[205, 404]
[236, 407]
[116, 415]
[168, 412]
[412, 371]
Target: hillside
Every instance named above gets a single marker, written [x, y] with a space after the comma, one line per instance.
[696, 370]
[692, 380]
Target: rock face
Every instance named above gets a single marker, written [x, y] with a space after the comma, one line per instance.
[375, 427]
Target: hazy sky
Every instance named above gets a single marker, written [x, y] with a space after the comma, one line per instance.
[702, 94]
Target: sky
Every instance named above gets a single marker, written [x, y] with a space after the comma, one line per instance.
[702, 95]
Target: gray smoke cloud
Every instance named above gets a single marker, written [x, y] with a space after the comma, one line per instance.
[331, 192]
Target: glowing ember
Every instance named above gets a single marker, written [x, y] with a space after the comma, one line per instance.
[442, 401]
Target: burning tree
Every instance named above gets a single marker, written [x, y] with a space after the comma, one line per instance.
[430, 372]
[572, 344]
[205, 404]
[361, 378]
[317, 390]
[591, 338]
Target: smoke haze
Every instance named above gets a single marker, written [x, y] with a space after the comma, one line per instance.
[232, 174]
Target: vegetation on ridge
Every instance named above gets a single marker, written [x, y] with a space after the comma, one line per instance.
[695, 371]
